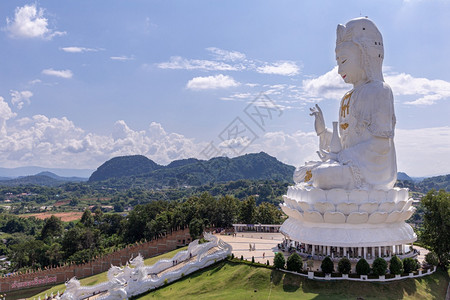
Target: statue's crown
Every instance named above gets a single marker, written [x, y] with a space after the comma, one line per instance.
[359, 30]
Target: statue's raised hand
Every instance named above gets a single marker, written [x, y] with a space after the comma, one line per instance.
[326, 155]
[319, 123]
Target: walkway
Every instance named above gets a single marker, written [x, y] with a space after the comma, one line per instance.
[267, 244]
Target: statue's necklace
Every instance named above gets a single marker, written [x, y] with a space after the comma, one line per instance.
[345, 106]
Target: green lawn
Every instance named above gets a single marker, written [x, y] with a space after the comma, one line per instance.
[36, 292]
[229, 280]
[233, 280]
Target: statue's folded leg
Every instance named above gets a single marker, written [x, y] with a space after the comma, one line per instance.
[329, 176]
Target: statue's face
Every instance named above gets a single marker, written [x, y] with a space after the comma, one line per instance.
[348, 57]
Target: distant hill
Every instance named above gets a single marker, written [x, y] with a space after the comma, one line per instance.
[123, 166]
[426, 184]
[403, 176]
[437, 183]
[139, 170]
[10, 173]
[43, 179]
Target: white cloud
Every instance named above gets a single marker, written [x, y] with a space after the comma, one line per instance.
[423, 152]
[236, 143]
[429, 91]
[58, 142]
[78, 49]
[286, 68]
[5, 115]
[226, 60]
[226, 55]
[35, 81]
[122, 58]
[58, 73]
[211, 82]
[331, 86]
[20, 98]
[294, 149]
[29, 22]
[177, 62]
[239, 96]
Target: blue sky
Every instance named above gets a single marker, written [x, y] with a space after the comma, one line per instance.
[84, 81]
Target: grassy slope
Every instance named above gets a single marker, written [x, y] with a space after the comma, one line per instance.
[228, 280]
[94, 279]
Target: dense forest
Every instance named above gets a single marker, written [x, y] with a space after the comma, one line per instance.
[34, 243]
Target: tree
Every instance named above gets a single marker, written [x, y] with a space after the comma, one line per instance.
[379, 266]
[362, 267]
[327, 265]
[268, 213]
[431, 258]
[14, 225]
[196, 228]
[53, 228]
[344, 265]
[395, 265]
[226, 211]
[30, 253]
[294, 262]
[410, 265]
[54, 253]
[436, 224]
[279, 261]
[248, 210]
[87, 219]
[71, 242]
[118, 207]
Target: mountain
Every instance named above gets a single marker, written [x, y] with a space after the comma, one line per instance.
[436, 182]
[403, 176]
[139, 170]
[28, 171]
[123, 166]
[44, 179]
[62, 178]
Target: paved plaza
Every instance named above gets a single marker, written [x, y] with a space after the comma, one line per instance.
[266, 245]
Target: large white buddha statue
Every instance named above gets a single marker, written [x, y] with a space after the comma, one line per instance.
[365, 158]
[346, 204]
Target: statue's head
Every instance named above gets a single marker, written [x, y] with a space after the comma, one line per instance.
[361, 40]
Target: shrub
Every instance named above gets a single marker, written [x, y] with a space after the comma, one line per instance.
[396, 265]
[279, 261]
[379, 266]
[166, 281]
[344, 265]
[232, 255]
[362, 267]
[268, 263]
[327, 265]
[431, 258]
[253, 259]
[410, 265]
[242, 257]
[294, 262]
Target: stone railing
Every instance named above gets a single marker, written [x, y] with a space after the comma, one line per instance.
[136, 278]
